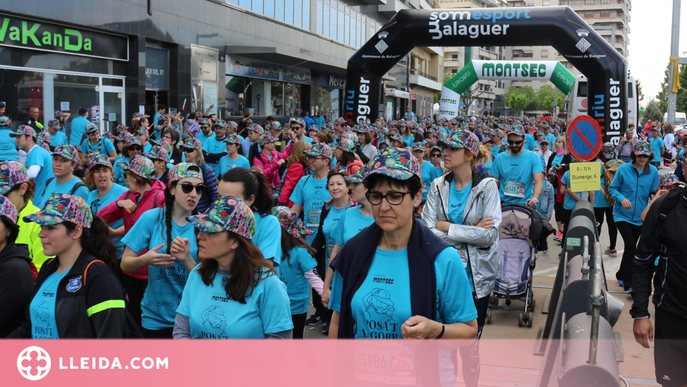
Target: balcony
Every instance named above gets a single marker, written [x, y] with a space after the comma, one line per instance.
[391, 8]
[373, 2]
[418, 78]
[593, 5]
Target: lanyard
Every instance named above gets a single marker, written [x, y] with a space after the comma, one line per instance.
[100, 145]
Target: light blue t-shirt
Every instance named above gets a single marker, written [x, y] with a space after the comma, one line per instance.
[213, 315]
[214, 146]
[118, 171]
[43, 324]
[599, 197]
[225, 164]
[311, 194]
[516, 175]
[203, 138]
[656, 145]
[329, 227]
[569, 201]
[41, 157]
[98, 204]
[382, 303]
[78, 130]
[58, 138]
[292, 274]
[165, 284]
[352, 222]
[529, 141]
[64, 188]
[104, 146]
[8, 146]
[268, 237]
[429, 173]
[245, 146]
[456, 202]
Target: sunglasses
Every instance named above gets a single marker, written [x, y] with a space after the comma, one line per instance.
[136, 148]
[188, 150]
[436, 155]
[188, 187]
[642, 156]
[511, 142]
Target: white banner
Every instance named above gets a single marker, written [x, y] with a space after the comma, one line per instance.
[448, 105]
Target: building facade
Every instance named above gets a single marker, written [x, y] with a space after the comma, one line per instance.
[234, 57]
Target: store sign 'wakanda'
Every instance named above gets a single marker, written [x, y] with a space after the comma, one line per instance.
[34, 35]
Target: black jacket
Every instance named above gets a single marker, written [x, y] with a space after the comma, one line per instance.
[16, 286]
[88, 304]
[669, 277]
[320, 241]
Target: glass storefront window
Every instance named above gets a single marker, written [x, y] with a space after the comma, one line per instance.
[328, 100]
[292, 99]
[277, 99]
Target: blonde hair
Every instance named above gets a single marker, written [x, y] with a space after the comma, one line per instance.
[480, 158]
[298, 153]
[565, 143]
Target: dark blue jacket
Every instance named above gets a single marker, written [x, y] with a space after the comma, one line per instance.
[210, 195]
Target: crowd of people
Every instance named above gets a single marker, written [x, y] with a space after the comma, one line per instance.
[197, 227]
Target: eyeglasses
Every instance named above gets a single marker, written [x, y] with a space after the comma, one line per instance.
[296, 127]
[436, 155]
[315, 157]
[188, 187]
[393, 198]
[512, 142]
[642, 156]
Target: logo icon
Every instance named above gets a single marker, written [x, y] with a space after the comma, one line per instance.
[583, 45]
[33, 363]
[382, 46]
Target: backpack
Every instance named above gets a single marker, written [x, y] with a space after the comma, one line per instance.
[667, 205]
[71, 192]
[610, 169]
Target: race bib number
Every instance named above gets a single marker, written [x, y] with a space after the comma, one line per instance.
[514, 189]
[463, 255]
[385, 362]
[313, 220]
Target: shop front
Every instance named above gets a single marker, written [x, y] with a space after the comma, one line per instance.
[53, 66]
[395, 103]
[264, 88]
[330, 89]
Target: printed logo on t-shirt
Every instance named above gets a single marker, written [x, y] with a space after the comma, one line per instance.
[214, 323]
[379, 310]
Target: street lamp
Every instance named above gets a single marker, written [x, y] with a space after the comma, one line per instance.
[258, 112]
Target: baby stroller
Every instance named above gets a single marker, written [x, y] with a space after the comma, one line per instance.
[517, 255]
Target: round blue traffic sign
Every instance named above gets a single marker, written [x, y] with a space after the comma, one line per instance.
[584, 138]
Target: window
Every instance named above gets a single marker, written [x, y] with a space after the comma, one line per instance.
[269, 8]
[605, 14]
[454, 71]
[545, 53]
[288, 11]
[245, 4]
[588, 14]
[279, 7]
[529, 4]
[454, 56]
[527, 54]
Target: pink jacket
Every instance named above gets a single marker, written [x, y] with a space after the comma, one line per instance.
[291, 178]
[270, 166]
[153, 198]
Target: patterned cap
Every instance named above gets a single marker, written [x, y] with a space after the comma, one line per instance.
[320, 149]
[402, 123]
[24, 130]
[418, 146]
[184, 170]
[339, 121]
[608, 151]
[642, 147]
[668, 180]
[266, 138]
[44, 140]
[350, 135]
[327, 127]
[11, 174]
[141, 132]
[233, 138]
[314, 127]
[396, 137]
[191, 143]
[361, 129]
[290, 222]
[249, 123]
[275, 125]
[204, 121]
[8, 209]
[52, 124]
[462, 139]
[226, 214]
[140, 166]
[120, 130]
[358, 177]
[99, 159]
[346, 145]
[221, 123]
[298, 121]
[131, 140]
[60, 208]
[396, 163]
[58, 113]
[5, 121]
[67, 151]
[516, 130]
[232, 125]
[91, 128]
[139, 115]
[418, 130]
[383, 142]
[256, 128]
[158, 153]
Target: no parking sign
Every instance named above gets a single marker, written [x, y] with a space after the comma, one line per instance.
[584, 138]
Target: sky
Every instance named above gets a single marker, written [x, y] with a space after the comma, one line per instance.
[650, 31]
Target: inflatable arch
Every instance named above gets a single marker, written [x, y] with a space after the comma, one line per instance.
[560, 27]
[501, 70]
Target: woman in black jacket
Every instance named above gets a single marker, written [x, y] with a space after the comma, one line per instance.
[324, 241]
[77, 295]
[16, 278]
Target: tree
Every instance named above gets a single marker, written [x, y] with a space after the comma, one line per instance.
[652, 112]
[662, 96]
[640, 92]
[521, 98]
[681, 98]
[681, 103]
[545, 98]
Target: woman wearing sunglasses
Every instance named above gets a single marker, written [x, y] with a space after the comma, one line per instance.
[396, 279]
[234, 293]
[132, 148]
[631, 188]
[193, 150]
[164, 241]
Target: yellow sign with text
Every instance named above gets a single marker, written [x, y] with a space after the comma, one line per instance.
[585, 176]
